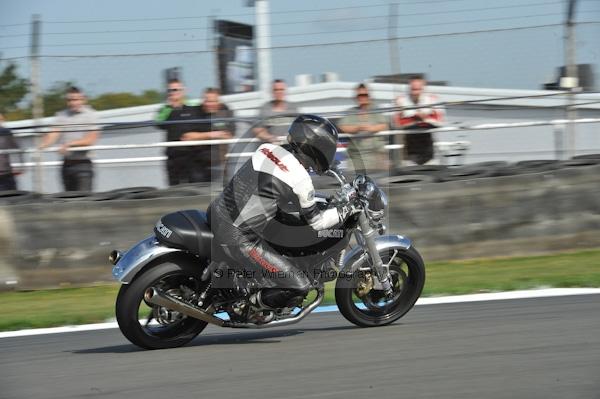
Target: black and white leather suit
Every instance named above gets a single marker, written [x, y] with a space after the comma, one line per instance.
[271, 180]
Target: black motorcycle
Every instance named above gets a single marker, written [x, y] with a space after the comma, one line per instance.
[170, 289]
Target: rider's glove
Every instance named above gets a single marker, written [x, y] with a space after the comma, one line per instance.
[325, 219]
[332, 216]
[347, 210]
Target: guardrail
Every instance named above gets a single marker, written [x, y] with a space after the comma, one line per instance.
[484, 126]
[444, 146]
[447, 152]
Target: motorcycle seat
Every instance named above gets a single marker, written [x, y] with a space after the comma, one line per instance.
[188, 230]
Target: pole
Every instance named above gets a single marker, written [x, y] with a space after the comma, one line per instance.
[263, 46]
[571, 74]
[38, 105]
[395, 155]
[394, 53]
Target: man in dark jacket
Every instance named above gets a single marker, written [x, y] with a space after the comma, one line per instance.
[177, 111]
[207, 160]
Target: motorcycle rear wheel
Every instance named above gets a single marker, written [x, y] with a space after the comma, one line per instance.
[370, 308]
[150, 326]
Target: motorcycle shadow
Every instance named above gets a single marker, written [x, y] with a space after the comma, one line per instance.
[238, 338]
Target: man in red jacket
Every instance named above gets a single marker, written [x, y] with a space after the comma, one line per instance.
[418, 147]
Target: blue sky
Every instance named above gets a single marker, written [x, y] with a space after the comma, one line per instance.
[503, 59]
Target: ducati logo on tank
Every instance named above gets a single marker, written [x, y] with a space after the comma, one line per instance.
[330, 233]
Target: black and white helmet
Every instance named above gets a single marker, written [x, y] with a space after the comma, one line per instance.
[315, 141]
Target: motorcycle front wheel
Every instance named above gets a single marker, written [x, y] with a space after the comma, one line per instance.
[151, 326]
[365, 306]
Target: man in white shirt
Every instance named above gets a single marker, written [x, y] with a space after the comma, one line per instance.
[76, 126]
[423, 112]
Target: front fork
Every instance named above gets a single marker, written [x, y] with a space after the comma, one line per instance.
[382, 272]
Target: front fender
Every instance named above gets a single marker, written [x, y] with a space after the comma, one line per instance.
[383, 243]
[137, 257]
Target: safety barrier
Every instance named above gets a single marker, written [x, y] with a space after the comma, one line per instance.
[475, 127]
[67, 242]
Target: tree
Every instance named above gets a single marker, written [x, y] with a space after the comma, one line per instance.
[54, 101]
[12, 88]
[124, 99]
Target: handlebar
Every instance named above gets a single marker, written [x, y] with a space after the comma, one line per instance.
[337, 174]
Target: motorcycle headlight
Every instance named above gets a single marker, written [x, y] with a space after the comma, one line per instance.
[375, 197]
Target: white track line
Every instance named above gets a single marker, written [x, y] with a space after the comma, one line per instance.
[496, 296]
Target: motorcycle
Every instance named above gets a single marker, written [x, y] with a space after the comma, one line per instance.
[169, 292]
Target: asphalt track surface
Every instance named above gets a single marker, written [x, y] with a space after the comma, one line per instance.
[527, 348]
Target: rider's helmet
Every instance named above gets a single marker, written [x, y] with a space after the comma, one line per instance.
[314, 140]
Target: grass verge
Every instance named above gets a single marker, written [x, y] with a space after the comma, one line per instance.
[48, 308]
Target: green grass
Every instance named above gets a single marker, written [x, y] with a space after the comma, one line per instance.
[49, 308]
[574, 269]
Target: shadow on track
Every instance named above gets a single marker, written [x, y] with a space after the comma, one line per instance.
[263, 337]
[250, 337]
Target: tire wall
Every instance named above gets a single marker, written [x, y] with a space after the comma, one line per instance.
[64, 243]
[8, 273]
[61, 243]
[501, 216]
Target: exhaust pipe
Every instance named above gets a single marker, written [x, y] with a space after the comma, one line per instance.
[158, 297]
[285, 322]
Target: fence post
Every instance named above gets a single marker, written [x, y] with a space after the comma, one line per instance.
[38, 105]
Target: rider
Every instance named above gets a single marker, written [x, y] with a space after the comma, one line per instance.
[273, 178]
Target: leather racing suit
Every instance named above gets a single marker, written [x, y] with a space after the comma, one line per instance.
[271, 180]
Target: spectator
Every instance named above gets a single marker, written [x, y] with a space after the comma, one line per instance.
[76, 127]
[206, 161]
[179, 169]
[418, 147]
[367, 154]
[7, 173]
[275, 128]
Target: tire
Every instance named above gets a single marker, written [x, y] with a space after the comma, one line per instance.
[525, 167]
[587, 156]
[579, 162]
[405, 180]
[131, 297]
[412, 271]
[11, 197]
[431, 170]
[202, 188]
[489, 164]
[535, 166]
[465, 173]
[131, 190]
[71, 196]
[166, 193]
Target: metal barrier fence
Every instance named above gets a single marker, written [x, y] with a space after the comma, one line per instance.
[448, 152]
[385, 133]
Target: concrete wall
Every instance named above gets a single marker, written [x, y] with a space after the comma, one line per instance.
[49, 244]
